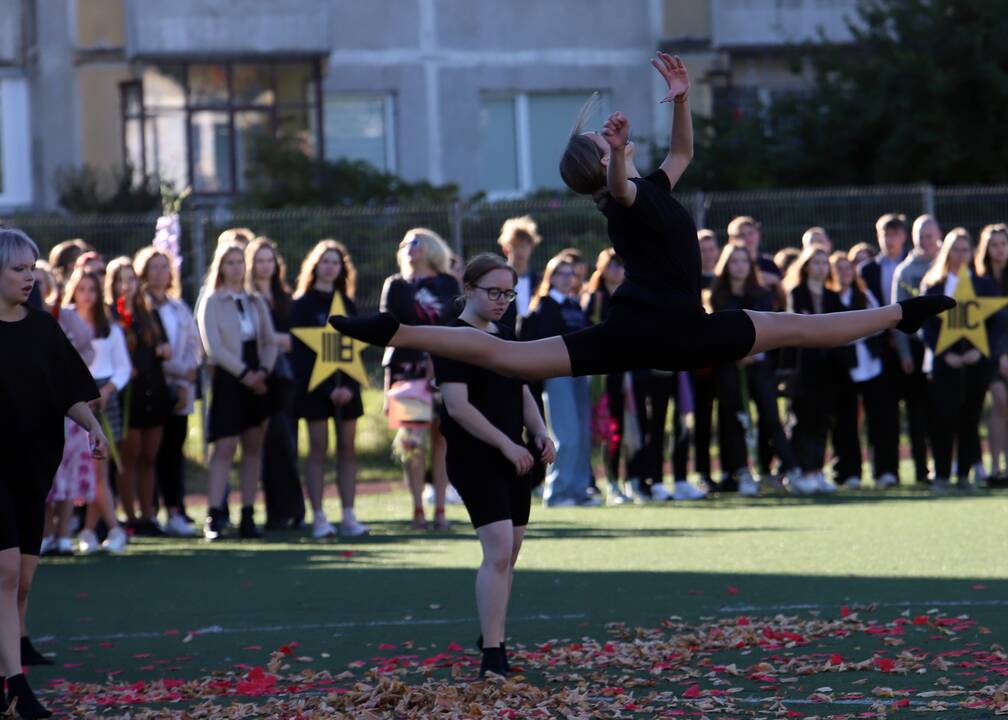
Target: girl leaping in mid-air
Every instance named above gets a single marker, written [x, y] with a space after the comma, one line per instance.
[656, 237]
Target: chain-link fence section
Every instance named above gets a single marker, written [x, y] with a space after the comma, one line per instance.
[373, 234]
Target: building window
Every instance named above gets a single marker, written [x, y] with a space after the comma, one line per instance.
[197, 123]
[15, 143]
[522, 136]
[360, 126]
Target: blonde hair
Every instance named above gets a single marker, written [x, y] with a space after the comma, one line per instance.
[436, 251]
[51, 293]
[142, 259]
[236, 235]
[858, 249]
[213, 276]
[519, 227]
[347, 280]
[939, 268]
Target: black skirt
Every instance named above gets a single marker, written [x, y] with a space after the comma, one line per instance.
[234, 408]
[316, 405]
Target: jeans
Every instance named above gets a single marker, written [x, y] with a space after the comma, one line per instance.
[569, 413]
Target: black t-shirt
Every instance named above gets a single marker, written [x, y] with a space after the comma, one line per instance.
[656, 238]
[418, 301]
[41, 377]
[767, 266]
[312, 310]
[499, 399]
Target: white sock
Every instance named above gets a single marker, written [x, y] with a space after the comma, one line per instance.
[319, 517]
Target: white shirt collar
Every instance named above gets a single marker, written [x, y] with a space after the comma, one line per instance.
[558, 296]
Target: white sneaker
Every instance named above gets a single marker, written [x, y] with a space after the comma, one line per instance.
[353, 528]
[852, 483]
[824, 484]
[660, 493]
[322, 528]
[451, 496]
[428, 494]
[886, 481]
[685, 491]
[178, 527]
[803, 485]
[48, 545]
[747, 485]
[87, 542]
[615, 496]
[636, 493]
[65, 546]
[116, 541]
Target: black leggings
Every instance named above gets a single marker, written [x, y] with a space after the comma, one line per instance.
[614, 443]
[170, 465]
[703, 419]
[22, 512]
[846, 435]
[652, 393]
[957, 397]
[638, 336]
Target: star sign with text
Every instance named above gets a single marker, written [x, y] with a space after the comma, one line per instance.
[333, 352]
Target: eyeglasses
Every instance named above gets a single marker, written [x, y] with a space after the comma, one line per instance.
[496, 294]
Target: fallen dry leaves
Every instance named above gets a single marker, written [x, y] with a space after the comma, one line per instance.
[740, 667]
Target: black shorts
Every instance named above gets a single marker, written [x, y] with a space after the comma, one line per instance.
[638, 336]
[22, 513]
[490, 490]
[317, 406]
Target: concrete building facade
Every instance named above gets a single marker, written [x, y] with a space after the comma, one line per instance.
[481, 93]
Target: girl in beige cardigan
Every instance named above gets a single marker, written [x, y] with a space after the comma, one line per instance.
[241, 347]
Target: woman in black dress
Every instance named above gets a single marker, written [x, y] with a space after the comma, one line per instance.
[42, 379]
[327, 270]
[149, 402]
[267, 276]
[488, 462]
[656, 237]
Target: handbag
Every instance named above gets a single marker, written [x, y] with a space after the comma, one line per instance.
[411, 403]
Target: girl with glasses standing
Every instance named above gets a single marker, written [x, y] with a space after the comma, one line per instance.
[483, 417]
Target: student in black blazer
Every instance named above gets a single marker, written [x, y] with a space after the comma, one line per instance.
[877, 275]
[811, 399]
[859, 375]
[518, 239]
[960, 374]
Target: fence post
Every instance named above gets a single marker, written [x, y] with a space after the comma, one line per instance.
[700, 209]
[198, 247]
[456, 228]
[928, 198]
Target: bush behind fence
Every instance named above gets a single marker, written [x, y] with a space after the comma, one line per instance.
[372, 234]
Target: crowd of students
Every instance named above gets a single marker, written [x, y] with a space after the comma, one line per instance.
[148, 351]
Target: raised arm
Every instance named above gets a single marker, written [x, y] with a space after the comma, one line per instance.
[681, 148]
[616, 132]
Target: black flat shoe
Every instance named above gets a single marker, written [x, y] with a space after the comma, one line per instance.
[503, 647]
[493, 661]
[31, 656]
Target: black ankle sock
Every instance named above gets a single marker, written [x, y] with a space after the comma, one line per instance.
[28, 705]
[921, 308]
[30, 656]
[493, 661]
[374, 330]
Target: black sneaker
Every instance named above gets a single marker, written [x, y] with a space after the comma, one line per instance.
[493, 661]
[247, 530]
[213, 528]
[148, 528]
[28, 705]
[31, 656]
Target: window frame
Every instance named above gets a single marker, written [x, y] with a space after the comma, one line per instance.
[231, 107]
[390, 106]
[523, 135]
[17, 189]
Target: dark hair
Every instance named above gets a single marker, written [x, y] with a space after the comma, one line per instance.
[280, 293]
[982, 261]
[479, 266]
[797, 273]
[581, 163]
[891, 221]
[345, 283]
[719, 295]
[859, 296]
[547, 279]
[605, 258]
[99, 312]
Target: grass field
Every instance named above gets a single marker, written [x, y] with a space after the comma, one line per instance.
[858, 606]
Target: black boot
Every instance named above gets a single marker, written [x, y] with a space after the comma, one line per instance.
[493, 661]
[28, 705]
[3, 696]
[31, 656]
[247, 529]
[503, 647]
[923, 307]
[213, 528]
[374, 330]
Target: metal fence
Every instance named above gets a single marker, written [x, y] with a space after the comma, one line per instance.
[372, 234]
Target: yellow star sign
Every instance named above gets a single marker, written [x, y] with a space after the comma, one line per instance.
[332, 351]
[966, 319]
